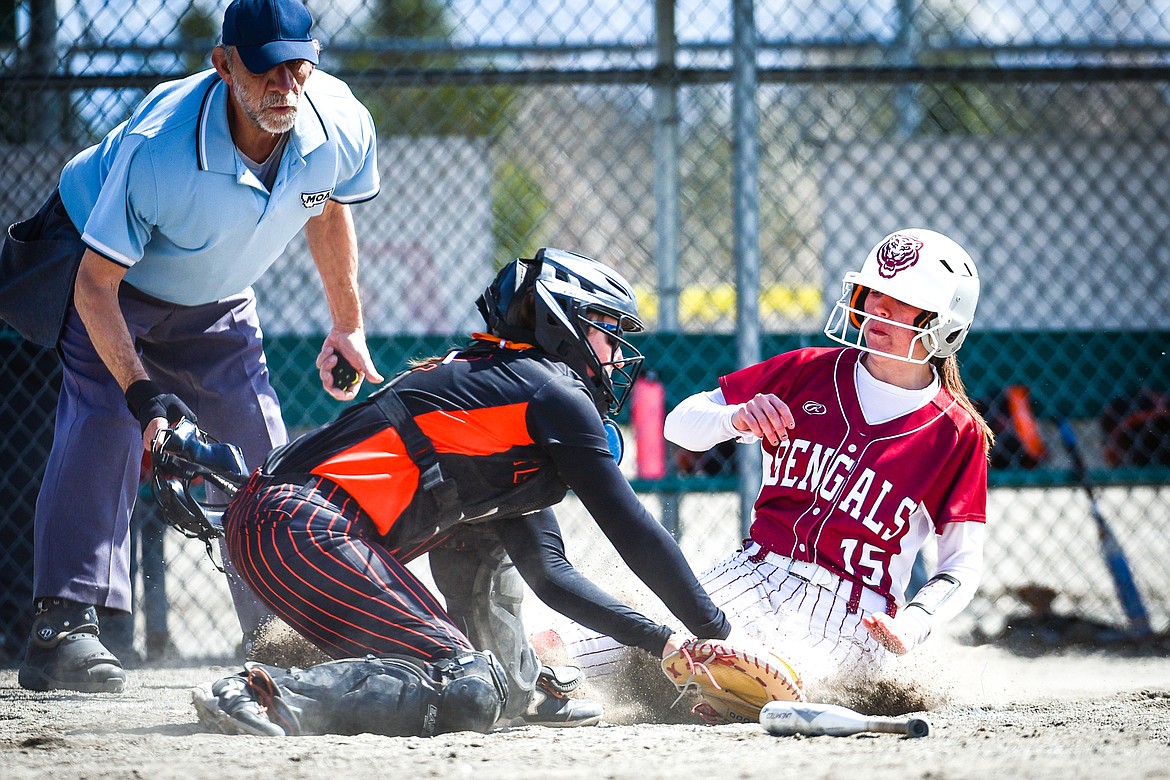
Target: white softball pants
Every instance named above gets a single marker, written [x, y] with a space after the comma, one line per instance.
[810, 625]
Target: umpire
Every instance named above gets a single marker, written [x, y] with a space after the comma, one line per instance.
[138, 270]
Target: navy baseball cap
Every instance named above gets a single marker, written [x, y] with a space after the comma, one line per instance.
[269, 32]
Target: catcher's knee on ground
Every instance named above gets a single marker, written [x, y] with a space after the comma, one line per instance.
[474, 693]
[393, 696]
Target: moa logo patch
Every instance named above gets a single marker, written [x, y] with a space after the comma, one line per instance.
[897, 254]
[312, 200]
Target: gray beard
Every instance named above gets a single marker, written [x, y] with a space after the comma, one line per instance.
[277, 125]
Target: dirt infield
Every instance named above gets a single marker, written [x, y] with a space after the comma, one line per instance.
[994, 714]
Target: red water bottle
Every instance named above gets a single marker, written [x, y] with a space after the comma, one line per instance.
[648, 415]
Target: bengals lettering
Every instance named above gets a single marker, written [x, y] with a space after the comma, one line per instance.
[813, 468]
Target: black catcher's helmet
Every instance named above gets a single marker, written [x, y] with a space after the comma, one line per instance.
[564, 287]
[182, 455]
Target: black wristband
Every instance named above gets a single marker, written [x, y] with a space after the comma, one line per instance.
[138, 393]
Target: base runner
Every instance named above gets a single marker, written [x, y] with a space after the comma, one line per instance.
[868, 450]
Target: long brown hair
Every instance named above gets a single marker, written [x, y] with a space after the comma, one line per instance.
[527, 313]
[948, 371]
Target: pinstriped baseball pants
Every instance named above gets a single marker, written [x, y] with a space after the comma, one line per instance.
[316, 559]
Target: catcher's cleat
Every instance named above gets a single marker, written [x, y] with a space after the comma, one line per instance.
[559, 681]
[267, 694]
[65, 653]
[551, 705]
[228, 706]
[547, 710]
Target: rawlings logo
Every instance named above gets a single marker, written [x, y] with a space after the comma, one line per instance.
[897, 254]
[812, 407]
[46, 633]
[312, 200]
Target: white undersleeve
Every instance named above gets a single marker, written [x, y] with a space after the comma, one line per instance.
[703, 420]
[960, 554]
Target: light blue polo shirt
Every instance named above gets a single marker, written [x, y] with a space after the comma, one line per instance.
[167, 195]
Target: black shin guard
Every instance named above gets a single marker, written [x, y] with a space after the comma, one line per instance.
[389, 696]
[394, 696]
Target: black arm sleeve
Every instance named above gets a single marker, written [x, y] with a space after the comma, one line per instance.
[534, 544]
[646, 547]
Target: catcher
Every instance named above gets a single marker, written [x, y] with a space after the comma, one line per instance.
[868, 450]
[462, 458]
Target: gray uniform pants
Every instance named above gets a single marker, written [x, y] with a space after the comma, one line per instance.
[212, 357]
[484, 595]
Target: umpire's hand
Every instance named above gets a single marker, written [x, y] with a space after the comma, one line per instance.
[350, 345]
[155, 408]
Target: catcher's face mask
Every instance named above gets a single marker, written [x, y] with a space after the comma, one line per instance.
[182, 457]
[183, 511]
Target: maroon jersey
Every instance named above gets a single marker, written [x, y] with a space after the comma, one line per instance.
[855, 498]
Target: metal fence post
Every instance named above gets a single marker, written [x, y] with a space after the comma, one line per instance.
[666, 216]
[906, 98]
[45, 117]
[746, 221]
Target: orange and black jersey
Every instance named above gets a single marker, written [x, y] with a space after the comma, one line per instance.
[513, 430]
[492, 415]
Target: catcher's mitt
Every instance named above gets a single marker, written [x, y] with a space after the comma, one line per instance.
[734, 679]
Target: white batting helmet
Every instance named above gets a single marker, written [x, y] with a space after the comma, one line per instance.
[920, 268]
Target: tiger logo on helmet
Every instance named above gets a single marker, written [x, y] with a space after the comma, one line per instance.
[899, 251]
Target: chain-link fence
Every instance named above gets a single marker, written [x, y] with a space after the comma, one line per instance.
[704, 148]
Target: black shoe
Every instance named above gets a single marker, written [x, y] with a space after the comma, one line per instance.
[228, 706]
[551, 705]
[549, 711]
[65, 653]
